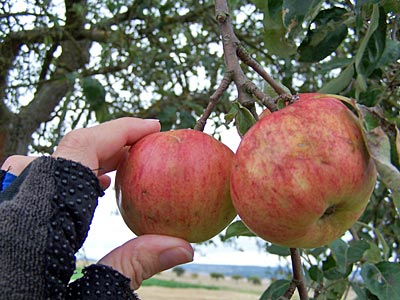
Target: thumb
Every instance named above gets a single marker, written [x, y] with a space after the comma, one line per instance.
[147, 255]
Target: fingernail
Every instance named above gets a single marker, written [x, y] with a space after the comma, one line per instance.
[153, 120]
[175, 256]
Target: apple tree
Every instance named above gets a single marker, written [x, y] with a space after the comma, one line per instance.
[73, 63]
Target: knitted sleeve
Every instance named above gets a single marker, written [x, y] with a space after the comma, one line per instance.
[45, 216]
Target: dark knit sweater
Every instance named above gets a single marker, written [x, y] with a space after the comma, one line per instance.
[45, 216]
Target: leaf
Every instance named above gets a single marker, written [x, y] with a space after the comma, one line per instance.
[390, 54]
[276, 290]
[380, 149]
[95, 95]
[315, 274]
[359, 289]
[94, 92]
[373, 254]
[186, 119]
[376, 43]
[373, 25]
[335, 63]
[335, 289]
[328, 34]
[339, 83]
[333, 271]
[236, 229]
[356, 251]
[244, 118]
[382, 279]
[294, 12]
[278, 250]
[275, 38]
[339, 251]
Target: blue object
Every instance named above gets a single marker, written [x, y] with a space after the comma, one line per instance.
[8, 179]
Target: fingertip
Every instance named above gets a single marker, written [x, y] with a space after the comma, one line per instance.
[104, 181]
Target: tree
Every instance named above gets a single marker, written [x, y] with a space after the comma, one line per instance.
[71, 64]
[179, 271]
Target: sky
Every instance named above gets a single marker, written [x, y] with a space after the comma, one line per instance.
[109, 231]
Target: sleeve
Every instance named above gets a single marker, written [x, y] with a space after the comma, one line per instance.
[45, 215]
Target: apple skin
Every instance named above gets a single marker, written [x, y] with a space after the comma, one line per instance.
[302, 175]
[176, 183]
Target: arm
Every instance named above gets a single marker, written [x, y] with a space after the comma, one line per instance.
[46, 212]
[47, 220]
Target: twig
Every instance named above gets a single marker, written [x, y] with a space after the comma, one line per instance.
[230, 44]
[245, 56]
[214, 98]
[298, 277]
[290, 291]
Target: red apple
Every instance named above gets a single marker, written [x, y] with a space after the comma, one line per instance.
[302, 175]
[176, 183]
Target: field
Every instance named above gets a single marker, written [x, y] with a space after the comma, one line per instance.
[167, 285]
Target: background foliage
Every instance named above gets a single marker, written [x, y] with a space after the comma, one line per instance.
[67, 64]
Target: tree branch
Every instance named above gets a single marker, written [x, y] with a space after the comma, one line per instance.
[226, 81]
[248, 60]
[298, 277]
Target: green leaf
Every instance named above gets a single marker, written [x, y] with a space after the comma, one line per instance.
[333, 271]
[335, 63]
[328, 34]
[168, 117]
[339, 251]
[244, 118]
[356, 251]
[186, 119]
[360, 290]
[373, 254]
[336, 289]
[278, 250]
[95, 95]
[382, 279]
[294, 12]
[276, 290]
[390, 54]
[236, 229]
[376, 43]
[315, 274]
[380, 149]
[338, 84]
[373, 25]
[275, 38]
[94, 91]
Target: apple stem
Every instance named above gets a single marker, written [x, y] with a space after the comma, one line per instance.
[298, 278]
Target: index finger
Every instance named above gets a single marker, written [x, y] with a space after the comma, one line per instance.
[102, 145]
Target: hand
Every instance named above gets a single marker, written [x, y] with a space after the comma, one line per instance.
[15, 164]
[147, 255]
[101, 147]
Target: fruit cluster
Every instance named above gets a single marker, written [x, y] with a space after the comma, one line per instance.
[301, 177]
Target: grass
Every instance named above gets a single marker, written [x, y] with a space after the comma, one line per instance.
[176, 284]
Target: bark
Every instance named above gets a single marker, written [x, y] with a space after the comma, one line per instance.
[16, 129]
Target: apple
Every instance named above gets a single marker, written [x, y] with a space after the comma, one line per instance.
[176, 183]
[302, 175]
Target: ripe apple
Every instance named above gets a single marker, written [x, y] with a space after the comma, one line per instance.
[176, 183]
[302, 175]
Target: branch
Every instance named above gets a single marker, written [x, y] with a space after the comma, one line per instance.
[248, 60]
[226, 81]
[298, 278]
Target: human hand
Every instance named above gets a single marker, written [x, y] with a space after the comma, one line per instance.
[15, 164]
[101, 147]
[147, 255]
